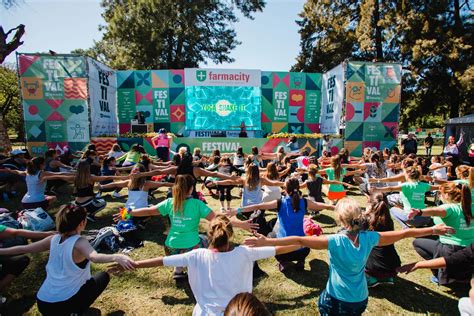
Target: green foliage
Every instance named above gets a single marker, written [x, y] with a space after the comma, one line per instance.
[168, 34]
[432, 39]
[10, 103]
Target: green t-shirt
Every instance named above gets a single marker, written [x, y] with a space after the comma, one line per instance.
[413, 195]
[464, 235]
[184, 231]
[131, 156]
[465, 182]
[2, 228]
[331, 176]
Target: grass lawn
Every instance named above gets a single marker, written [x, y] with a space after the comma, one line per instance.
[153, 291]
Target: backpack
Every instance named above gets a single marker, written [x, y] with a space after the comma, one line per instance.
[36, 220]
[7, 220]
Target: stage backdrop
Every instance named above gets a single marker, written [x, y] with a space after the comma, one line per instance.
[102, 99]
[221, 99]
[332, 100]
[291, 102]
[54, 93]
[159, 94]
[372, 105]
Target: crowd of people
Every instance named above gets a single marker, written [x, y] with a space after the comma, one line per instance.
[427, 196]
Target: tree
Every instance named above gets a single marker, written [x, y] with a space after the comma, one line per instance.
[169, 34]
[11, 114]
[431, 39]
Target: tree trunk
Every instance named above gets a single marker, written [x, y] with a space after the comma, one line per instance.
[4, 140]
[378, 32]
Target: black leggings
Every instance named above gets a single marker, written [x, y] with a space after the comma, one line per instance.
[81, 301]
[432, 249]
[13, 265]
[225, 192]
[297, 255]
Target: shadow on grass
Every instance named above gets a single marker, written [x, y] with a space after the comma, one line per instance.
[298, 302]
[326, 220]
[416, 298]
[116, 313]
[316, 277]
[19, 306]
[184, 285]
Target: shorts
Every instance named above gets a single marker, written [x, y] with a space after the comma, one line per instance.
[203, 243]
[336, 195]
[93, 205]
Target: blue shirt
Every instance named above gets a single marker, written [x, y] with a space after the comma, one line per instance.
[347, 281]
[291, 222]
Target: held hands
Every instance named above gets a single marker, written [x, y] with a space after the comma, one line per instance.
[124, 262]
[414, 212]
[442, 229]
[230, 212]
[257, 241]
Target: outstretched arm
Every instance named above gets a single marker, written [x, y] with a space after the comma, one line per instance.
[320, 242]
[430, 211]
[113, 185]
[85, 249]
[396, 188]
[319, 206]
[437, 263]
[388, 238]
[12, 232]
[35, 247]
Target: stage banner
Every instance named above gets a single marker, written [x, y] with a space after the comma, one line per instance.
[196, 77]
[372, 105]
[54, 93]
[158, 94]
[222, 99]
[102, 99]
[291, 102]
[332, 100]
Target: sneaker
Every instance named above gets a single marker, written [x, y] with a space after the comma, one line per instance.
[372, 281]
[299, 266]
[434, 280]
[98, 195]
[222, 209]
[91, 218]
[387, 281]
[3, 300]
[116, 195]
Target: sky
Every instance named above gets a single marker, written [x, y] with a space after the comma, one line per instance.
[269, 42]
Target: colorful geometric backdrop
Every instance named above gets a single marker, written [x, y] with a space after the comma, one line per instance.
[54, 91]
[157, 93]
[291, 102]
[372, 105]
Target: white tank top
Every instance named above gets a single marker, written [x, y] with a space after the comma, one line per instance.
[137, 199]
[63, 277]
[35, 187]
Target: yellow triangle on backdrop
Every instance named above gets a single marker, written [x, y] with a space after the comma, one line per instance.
[277, 127]
[157, 82]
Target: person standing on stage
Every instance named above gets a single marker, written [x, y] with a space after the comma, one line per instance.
[162, 145]
[139, 117]
[428, 144]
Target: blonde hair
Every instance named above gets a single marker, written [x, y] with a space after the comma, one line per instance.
[183, 184]
[349, 214]
[246, 304]
[220, 232]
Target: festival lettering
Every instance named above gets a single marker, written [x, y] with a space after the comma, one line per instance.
[280, 110]
[331, 88]
[104, 84]
[160, 97]
[373, 89]
[52, 84]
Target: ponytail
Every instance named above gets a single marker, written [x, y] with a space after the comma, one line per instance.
[293, 190]
[220, 232]
[183, 184]
[471, 178]
[336, 165]
[466, 203]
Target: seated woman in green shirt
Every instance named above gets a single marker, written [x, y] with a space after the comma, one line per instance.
[457, 213]
[412, 195]
[131, 158]
[185, 214]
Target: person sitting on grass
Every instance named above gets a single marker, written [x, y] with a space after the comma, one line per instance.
[246, 304]
[138, 188]
[456, 212]
[291, 210]
[12, 266]
[69, 287]
[36, 179]
[383, 261]
[185, 214]
[346, 291]
[218, 272]
[412, 195]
